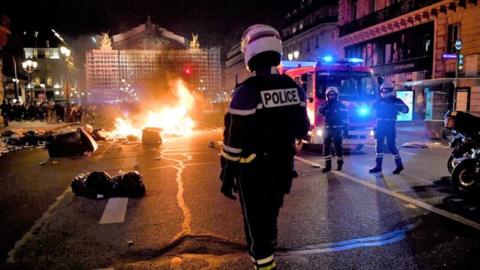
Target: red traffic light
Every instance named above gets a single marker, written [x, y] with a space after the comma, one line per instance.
[188, 71]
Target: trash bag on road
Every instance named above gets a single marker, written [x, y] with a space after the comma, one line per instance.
[69, 144]
[129, 185]
[78, 184]
[102, 185]
[98, 183]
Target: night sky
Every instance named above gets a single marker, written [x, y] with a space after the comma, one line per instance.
[216, 22]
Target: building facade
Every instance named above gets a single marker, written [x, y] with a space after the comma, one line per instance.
[311, 31]
[53, 79]
[410, 43]
[125, 69]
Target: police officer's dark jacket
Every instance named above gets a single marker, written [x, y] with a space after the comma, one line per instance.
[265, 115]
[335, 113]
[388, 108]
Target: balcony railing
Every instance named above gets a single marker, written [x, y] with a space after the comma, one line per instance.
[390, 12]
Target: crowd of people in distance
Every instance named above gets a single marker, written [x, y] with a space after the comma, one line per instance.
[50, 112]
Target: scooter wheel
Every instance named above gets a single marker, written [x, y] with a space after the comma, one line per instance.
[466, 177]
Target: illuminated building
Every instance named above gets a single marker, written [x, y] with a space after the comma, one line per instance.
[411, 44]
[121, 67]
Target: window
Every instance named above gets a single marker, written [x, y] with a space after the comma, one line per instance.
[372, 6]
[49, 81]
[453, 35]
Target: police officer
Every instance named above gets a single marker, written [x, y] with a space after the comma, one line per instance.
[265, 116]
[336, 123]
[387, 107]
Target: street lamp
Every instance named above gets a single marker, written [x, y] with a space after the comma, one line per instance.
[29, 66]
[66, 54]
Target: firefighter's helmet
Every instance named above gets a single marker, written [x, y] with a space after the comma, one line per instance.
[261, 46]
[332, 93]
[386, 90]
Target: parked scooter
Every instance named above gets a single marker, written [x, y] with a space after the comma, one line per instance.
[464, 161]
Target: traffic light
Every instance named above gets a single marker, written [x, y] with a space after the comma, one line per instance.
[188, 71]
[460, 62]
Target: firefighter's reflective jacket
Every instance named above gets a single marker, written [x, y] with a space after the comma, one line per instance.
[335, 113]
[264, 117]
[388, 108]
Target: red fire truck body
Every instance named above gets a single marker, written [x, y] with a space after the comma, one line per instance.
[358, 90]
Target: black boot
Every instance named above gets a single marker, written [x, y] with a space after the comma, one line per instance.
[398, 162]
[328, 166]
[378, 166]
[339, 164]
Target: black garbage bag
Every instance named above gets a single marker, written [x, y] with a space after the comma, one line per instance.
[30, 138]
[74, 143]
[78, 184]
[98, 183]
[14, 141]
[8, 133]
[128, 185]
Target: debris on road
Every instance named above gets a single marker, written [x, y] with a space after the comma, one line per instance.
[101, 185]
[415, 144]
[211, 144]
[17, 139]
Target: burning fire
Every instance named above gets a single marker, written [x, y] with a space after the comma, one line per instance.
[173, 120]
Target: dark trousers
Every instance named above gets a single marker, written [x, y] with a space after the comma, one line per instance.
[334, 136]
[382, 133]
[261, 196]
[5, 120]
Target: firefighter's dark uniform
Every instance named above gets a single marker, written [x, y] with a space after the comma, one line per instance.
[336, 122]
[386, 111]
[266, 114]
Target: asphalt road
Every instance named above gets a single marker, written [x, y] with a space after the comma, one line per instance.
[346, 220]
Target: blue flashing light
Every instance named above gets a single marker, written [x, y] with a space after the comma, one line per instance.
[355, 60]
[327, 58]
[363, 111]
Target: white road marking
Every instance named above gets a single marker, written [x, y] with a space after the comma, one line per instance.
[36, 227]
[401, 151]
[402, 197]
[114, 211]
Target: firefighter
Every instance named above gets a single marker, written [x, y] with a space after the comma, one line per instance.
[265, 116]
[387, 107]
[336, 123]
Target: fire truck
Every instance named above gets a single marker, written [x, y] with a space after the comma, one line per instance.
[358, 91]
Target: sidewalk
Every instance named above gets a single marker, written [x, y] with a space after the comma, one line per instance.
[29, 125]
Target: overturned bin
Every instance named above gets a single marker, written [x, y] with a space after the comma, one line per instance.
[151, 135]
[75, 143]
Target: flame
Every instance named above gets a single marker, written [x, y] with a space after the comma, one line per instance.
[173, 120]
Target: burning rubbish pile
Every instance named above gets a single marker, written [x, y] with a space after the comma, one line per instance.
[102, 185]
[171, 120]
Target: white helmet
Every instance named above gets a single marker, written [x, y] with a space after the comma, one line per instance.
[260, 38]
[386, 90]
[331, 89]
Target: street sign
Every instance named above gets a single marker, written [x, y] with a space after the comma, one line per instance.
[458, 45]
[449, 56]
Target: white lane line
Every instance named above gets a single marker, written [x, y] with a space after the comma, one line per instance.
[36, 227]
[405, 198]
[114, 211]
[401, 151]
